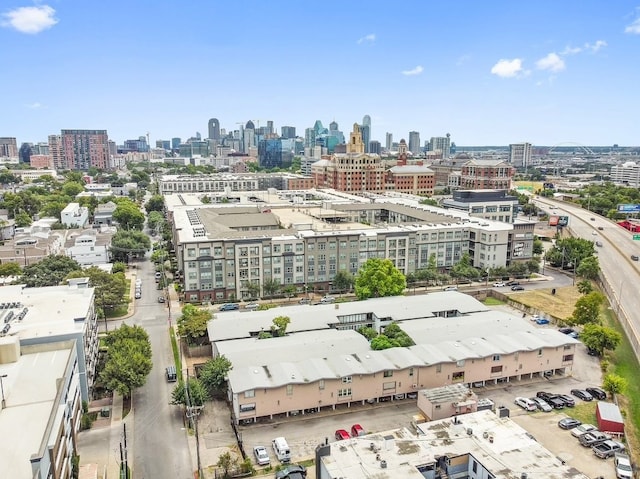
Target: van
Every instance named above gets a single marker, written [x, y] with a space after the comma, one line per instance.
[281, 448]
[172, 376]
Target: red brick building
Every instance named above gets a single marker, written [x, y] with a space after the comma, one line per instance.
[85, 148]
[480, 174]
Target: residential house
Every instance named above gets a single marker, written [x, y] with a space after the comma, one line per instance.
[103, 214]
[88, 247]
[74, 215]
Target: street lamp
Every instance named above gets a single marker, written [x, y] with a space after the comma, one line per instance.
[2, 389]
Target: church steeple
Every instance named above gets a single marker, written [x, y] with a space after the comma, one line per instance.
[355, 144]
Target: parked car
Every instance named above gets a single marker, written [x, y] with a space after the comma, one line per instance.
[138, 295]
[526, 404]
[568, 423]
[357, 431]
[568, 400]
[341, 435]
[262, 456]
[517, 288]
[328, 299]
[623, 466]
[229, 307]
[138, 282]
[592, 438]
[555, 402]
[499, 284]
[251, 306]
[597, 393]
[512, 283]
[544, 395]
[450, 288]
[582, 429]
[542, 321]
[607, 449]
[161, 299]
[292, 471]
[599, 244]
[572, 333]
[600, 228]
[541, 404]
[304, 301]
[582, 394]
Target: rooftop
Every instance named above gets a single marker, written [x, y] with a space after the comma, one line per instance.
[506, 452]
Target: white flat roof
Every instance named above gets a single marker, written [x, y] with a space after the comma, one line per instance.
[30, 390]
[509, 453]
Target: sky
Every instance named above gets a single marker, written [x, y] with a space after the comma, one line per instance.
[489, 73]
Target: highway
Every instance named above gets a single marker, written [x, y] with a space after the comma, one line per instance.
[620, 274]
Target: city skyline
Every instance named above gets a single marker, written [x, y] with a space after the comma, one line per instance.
[491, 74]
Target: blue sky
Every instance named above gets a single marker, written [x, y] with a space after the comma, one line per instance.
[488, 73]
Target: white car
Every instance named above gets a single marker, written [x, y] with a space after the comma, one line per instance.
[262, 456]
[623, 466]
[582, 429]
[252, 306]
[526, 404]
[499, 284]
[450, 288]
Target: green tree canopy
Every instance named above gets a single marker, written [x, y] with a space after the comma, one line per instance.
[570, 250]
[599, 338]
[589, 268]
[379, 277]
[128, 215]
[110, 288]
[126, 244]
[128, 359]
[585, 286]
[464, 269]
[155, 220]
[10, 269]
[214, 375]
[343, 281]
[280, 324]
[614, 384]
[193, 324]
[49, 271]
[155, 203]
[198, 394]
[587, 309]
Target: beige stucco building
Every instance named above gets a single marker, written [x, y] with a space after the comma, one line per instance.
[323, 363]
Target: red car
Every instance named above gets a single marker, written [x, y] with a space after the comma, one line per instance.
[357, 431]
[341, 435]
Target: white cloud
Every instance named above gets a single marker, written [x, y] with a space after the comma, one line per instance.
[30, 20]
[367, 39]
[571, 50]
[463, 59]
[508, 68]
[595, 46]
[35, 106]
[416, 71]
[633, 28]
[551, 62]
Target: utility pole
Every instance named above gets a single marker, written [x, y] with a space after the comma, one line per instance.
[192, 414]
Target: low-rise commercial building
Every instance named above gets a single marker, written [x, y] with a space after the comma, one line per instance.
[323, 363]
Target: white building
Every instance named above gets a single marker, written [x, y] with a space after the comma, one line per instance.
[89, 248]
[74, 215]
[626, 174]
[41, 409]
[520, 154]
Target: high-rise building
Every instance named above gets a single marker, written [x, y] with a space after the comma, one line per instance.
[269, 130]
[389, 141]
[57, 152]
[366, 131]
[214, 129]
[25, 152]
[273, 153]
[248, 136]
[8, 147]
[175, 143]
[288, 132]
[520, 154]
[85, 148]
[374, 147]
[414, 143]
[441, 144]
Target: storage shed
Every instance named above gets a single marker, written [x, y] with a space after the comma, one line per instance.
[609, 418]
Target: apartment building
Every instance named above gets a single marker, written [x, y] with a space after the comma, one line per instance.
[324, 364]
[84, 148]
[226, 182]
[223, 249]
[626, 174]
[489, 174]
[520, 154]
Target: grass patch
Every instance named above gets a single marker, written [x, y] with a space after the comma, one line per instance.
[118, 311]
[584, 412]
[176, 354]
[493, 301]
[559, 305]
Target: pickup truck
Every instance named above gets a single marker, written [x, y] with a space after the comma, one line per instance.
[607, 449]
[591, 438]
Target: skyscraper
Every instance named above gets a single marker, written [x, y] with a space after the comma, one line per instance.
[520, 154]
[8, 147]
[57, 152]
[389, 141]
[414, 143]
[365, 129]
[85, 148]
[175, 143]
[288, 132]
[442, 144]
[214, 129]
[248, 136]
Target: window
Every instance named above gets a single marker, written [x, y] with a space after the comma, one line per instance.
[191, 252]
[289, 389]
[410, 372]
[346, 392]
[568, 357]
[389, 385]
[460, 363]
[539, 352]
[474, 466]
[496, 369]
[496, 357]
[321, 384]
[388, 374]
[250, 394]
[347, 379]
[438, 368]
[458, 377]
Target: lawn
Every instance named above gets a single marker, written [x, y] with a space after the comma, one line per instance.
[489, 301]
[559, 305]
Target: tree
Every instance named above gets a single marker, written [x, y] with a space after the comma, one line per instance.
[280, 324]
[343, 281]
[226, 462]
[128, 359]
[128, 215]
[589, 268]
[23, 219]
[538, 247]
[110, 288]
[155, 203]
[614, 384]
[193, 324]
[367, 332]
[270, 286]
[379, 277]
[126, 244]
[599, 338]
[155, 221]
[587, 308]
[214, 375]
[253, 288]
[569, 250]
[72, 188]
[464, 269]
[533, 265]
[585, 286]
[10, 269]
[118, 267]
[198, 394]
[49, 271]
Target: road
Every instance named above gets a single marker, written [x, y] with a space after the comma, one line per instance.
[160, 447]
[619, 270]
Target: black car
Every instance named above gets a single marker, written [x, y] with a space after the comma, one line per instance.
[568, 423]
[517, 288]
[582, 394]
[544, 395]
[597, 393]
[292, 472]
[567, 400]
[555, 402]
[513, 283]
